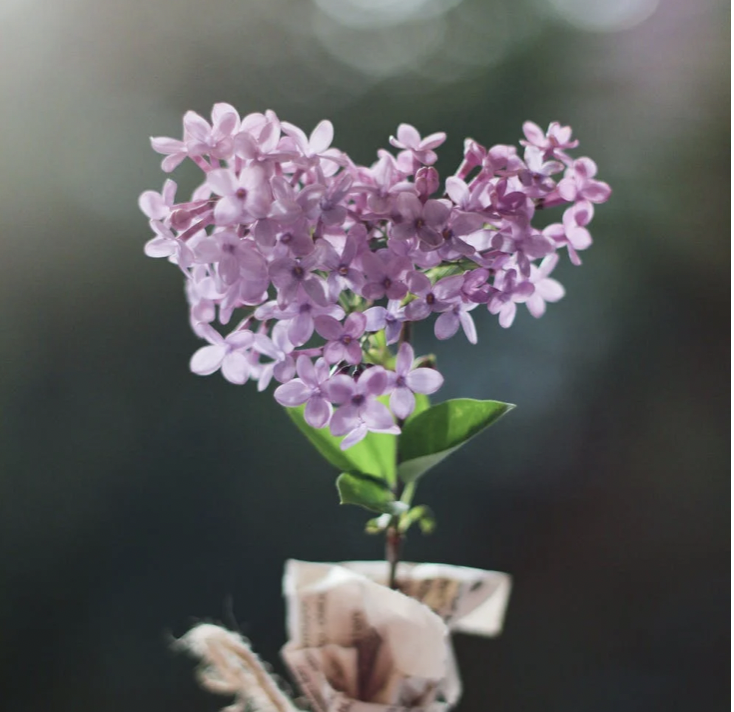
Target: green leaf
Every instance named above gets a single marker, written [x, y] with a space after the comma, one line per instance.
[422, 402]
[369, 492]
[375, 455]
[420, 514]
[378, 524]
[435, 433]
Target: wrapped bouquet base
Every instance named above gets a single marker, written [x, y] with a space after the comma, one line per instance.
[306, 269]
[356, 645]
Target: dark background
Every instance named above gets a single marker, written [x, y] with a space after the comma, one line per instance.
[136, 498]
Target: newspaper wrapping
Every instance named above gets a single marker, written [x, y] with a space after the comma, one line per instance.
[357, 646]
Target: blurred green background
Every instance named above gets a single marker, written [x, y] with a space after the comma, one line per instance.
[136, 498]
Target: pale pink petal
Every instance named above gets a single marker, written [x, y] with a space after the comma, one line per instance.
[597, 191]
[318, 411]
[402, 402]
[240, 339]
[507, 315]
[222, 181]
[153, 205]
[435, 212]
[568, 189]
[375, 318]
[424, 380]
[169, 163]
[236, 367]
[457, 190]
[536, 305]
[377, 415]
[550, 290]
[358, 434]
[225, 118]
[300, 329]
[585, 167]
[344, 420]
[339, 389]
[408, 135]
[207, 360]
[446, 325]
[334, 352]
[321, 137]
[404, 360]
[292, 393]
[306, 370]
[354, 324]
[316, 289]
[533, 133]
[328, 327]
[227, 211]
[160, 247]
[433, 140]
[373, 381]
[354, 352]
[417, 310]
[467, 324]
[163, 144]
[579, 237]
[196, 126]
[297, 134]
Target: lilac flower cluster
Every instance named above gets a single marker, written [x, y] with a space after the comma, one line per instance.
[292, 234]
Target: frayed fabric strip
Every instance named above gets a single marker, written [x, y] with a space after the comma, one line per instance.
[230, 667]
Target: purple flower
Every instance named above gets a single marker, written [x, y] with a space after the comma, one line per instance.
[510, 292]
[390, 319]
[475, 287]
[384, 272]
[552, 143]
[524, 242]
[307, 389]
[448, 323]
[166, 244]
[421, 220]
[330, 210]
[259, 138]
[215, 140]
[314, 150]
[573, 233]
[231, 254]
[291, 229]
[408, 380]
[279, 348]
[229, 354]
[432, 297]
[546, 289]
[174, 150]
[289, 274]
[158, 206]
[383, 183]
[244, 197]
[535, 173]
[342, 275]
[579, 184]
[360, 412]
[342, 340]
[421, 150]
[298, 317]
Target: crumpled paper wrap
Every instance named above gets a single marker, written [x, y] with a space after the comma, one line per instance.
[357, 646]
[354, 644]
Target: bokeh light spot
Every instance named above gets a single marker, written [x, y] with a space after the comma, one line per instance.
[604, 15]
[383, 13]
